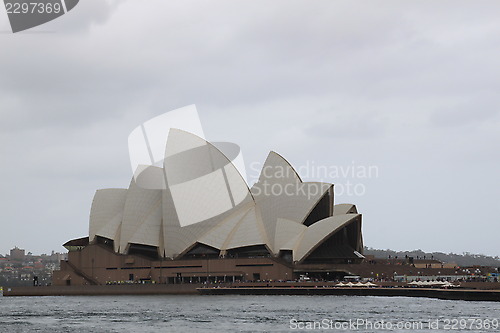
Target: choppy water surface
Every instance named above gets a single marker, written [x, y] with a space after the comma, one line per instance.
[168, 313]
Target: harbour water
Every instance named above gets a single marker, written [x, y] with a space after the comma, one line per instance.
[195, 313]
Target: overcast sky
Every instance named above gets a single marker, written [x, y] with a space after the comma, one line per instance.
[411, 88]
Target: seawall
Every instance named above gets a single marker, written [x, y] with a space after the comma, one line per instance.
[448, 294]
[252, 289]
[89, 290]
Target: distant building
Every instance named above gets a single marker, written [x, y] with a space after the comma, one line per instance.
[56, 256]
[17, 254]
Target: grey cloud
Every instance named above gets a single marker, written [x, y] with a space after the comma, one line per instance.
[467, 113]
[330, 82]
[85, 15]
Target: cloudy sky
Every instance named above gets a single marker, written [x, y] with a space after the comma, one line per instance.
[411, 88]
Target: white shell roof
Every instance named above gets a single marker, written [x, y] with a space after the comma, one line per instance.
[219, 234]
[106, 212]
[142, 211]
[281, 194]
[318, 232]
[344, 209]
[206, 201]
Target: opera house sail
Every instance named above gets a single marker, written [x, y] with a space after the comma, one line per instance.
[195, 219]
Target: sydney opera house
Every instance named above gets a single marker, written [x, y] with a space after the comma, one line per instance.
[193, 219]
